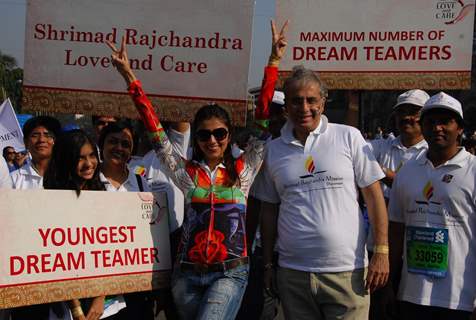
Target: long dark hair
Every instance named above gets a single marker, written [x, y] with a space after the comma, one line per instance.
[206, 113]
[61, 172]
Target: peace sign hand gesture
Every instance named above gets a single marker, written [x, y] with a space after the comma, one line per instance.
[279, 44]
[121, 61]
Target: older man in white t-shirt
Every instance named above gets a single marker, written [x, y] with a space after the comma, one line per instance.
[433, 220]
[314, 171]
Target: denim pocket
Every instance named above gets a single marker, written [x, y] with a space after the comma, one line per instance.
[239, 273]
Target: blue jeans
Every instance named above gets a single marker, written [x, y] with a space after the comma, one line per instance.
[211, 296]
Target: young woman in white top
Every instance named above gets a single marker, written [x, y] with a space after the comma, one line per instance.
[74, 166]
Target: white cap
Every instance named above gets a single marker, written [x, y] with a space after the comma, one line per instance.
[443, 101]
[414, 97]
[278, 97]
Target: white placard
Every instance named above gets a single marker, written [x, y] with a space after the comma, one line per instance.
[54, 236]
[180, 49]
[385, 36]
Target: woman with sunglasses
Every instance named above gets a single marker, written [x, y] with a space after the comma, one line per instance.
[211, 270]
[74, 166]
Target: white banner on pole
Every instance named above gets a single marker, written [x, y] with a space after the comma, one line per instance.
[10, 131]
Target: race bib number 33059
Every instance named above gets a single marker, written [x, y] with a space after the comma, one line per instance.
[427, 251]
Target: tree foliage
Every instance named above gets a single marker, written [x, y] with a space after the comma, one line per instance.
[11, 77]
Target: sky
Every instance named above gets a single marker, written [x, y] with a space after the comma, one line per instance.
[12, 34]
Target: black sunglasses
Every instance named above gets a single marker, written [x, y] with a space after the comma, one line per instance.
[203, 135]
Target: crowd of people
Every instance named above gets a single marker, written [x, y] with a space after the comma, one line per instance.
[293, 219]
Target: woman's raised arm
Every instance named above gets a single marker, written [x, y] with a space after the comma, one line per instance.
[160, 142]
[278, 48]
[120, 60]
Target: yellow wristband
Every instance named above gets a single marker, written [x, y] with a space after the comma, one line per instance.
[381, 248]
[77, 312]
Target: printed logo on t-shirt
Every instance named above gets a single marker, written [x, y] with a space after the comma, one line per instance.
[431, 209]
[314, 179]
[310, 168]
[428, 191]
[310, 164]
[139, 170]
[427, 195]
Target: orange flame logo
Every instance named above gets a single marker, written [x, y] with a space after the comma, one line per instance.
[309, 164]
[428, 191]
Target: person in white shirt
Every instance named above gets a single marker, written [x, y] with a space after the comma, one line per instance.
[5, 181]
[313, 171]
[392, 154]
[433, 220]
[151, 168]
[9, 155]
[116, 143]
[39, 134]
[74, 166]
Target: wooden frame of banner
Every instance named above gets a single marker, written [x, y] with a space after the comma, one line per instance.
[39, 293]
[394, 80]
[69, 101]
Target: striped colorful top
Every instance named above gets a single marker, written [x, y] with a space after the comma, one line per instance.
[214, 222]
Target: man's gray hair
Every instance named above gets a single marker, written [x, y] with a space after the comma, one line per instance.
[301, 76]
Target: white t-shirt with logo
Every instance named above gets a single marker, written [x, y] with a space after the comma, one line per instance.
[440, 204]
[320, 224]
[392, 154]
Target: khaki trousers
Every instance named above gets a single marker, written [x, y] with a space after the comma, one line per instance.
[307, 295]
